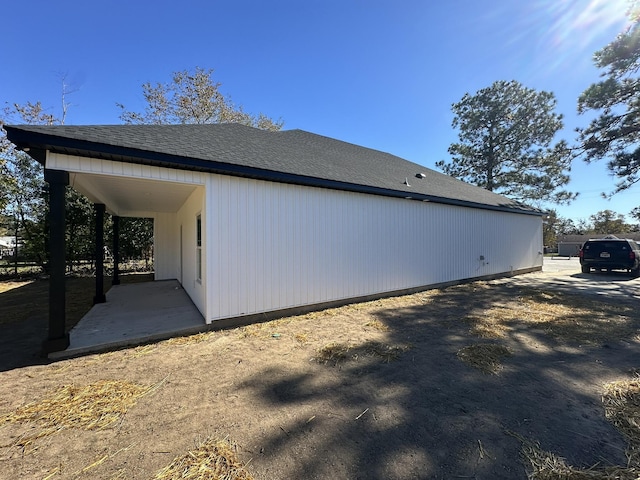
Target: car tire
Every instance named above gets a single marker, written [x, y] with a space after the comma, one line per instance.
[635, 272]
[586, 269]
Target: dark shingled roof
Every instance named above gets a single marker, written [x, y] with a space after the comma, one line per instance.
[290, 156]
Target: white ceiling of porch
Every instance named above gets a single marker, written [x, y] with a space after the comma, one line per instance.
[129, 196]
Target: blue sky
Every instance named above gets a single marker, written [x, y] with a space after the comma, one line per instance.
[382, 74]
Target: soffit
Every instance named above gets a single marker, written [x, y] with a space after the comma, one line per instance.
[125, 196]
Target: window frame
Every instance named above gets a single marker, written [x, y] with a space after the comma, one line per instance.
[199, 247]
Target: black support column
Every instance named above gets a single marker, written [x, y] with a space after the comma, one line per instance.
[58, 338]
[116, 251]
[99, 297]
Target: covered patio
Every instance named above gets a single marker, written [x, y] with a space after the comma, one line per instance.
[123, 187]
[128, 314]
[134, 314]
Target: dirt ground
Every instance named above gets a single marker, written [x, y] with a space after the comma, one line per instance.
[368, 391]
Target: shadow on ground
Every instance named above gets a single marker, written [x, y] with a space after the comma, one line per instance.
[24, 316]
[424, 415]
[428, 415]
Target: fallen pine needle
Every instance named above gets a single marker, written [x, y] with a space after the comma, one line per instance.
[94, 464]
[358, 417]
[482, 451]
[55, 471]
[100, 461]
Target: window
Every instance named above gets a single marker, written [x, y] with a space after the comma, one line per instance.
[199, 248]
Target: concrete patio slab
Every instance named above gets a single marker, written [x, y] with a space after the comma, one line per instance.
[135, 314]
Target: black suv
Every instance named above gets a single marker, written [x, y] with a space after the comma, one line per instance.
[610, 253]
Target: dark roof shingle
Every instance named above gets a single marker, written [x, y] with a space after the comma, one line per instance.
[292, 156]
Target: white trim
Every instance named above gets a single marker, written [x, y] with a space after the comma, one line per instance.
[199, 244]
[75, 164]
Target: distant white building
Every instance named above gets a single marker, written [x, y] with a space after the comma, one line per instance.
[7, 246]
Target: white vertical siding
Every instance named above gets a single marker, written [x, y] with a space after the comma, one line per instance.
[273, 246]
[166, 243]
[186, 217]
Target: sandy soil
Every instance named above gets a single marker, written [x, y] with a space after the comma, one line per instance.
[294, 412]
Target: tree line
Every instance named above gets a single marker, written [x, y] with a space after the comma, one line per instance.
[605, 222]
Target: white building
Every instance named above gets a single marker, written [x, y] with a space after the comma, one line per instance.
[251, 221]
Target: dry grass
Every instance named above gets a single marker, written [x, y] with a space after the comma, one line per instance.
[211, 460]
[377, 325]
[265, 329]
[143, 350]
[191, 339]
[333, 352]
[302, 338]
[547, 466]
[486, 357]
[565, 317]
[621, 401]
[339, 352]
[90, 407]
[492, 324]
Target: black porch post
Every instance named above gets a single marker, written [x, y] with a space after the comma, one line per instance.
[99, 297]
[58, 338]
[116, 251]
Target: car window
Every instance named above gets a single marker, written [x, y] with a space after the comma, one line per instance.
[606, 246]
